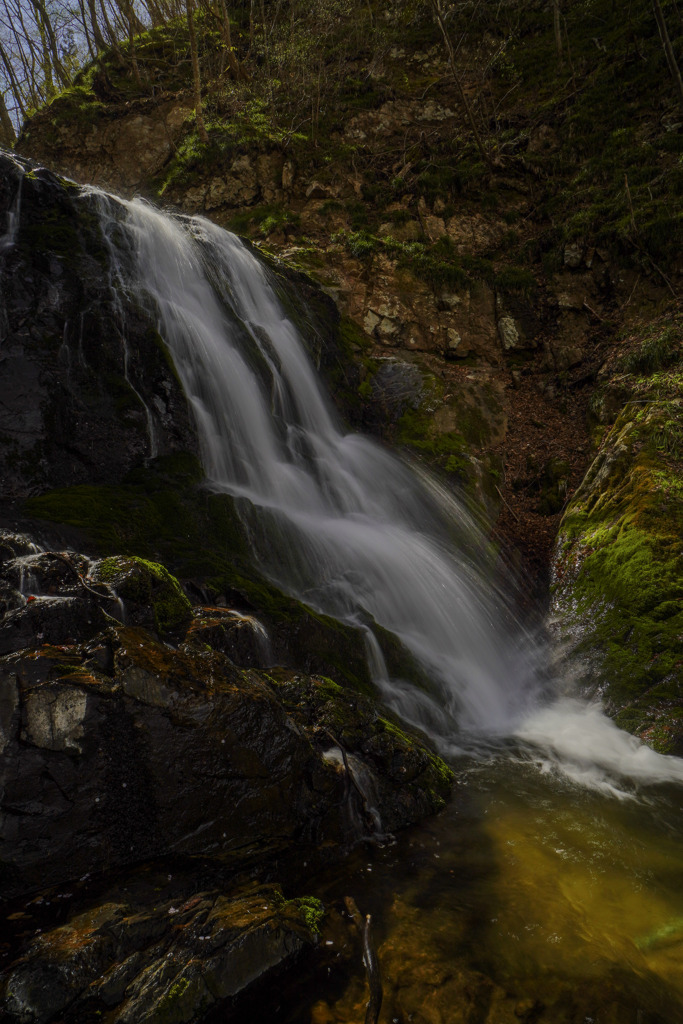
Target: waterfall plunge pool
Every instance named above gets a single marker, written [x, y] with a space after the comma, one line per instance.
[530, 897]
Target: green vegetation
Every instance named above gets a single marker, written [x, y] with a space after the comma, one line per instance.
[162, 514]
[309, 908]
[448, 451]
[185, 997]
[612, 164]
[264, 220]
[620, 567]
[147, 583]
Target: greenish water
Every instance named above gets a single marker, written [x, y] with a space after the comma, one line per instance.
[529, 899]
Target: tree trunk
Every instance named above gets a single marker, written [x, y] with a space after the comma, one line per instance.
[8, 136]
[668, 51]
[438, 14]
[96, 30]
[62, 73]
[92, 50]
[236, 68]
[557, 25]
[17, 91]
[155, 15]
[198, 112]
[131, 17]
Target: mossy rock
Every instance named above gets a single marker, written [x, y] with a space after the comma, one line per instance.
[618, 575]
[150, 589]
[163, 514]
[413, 780]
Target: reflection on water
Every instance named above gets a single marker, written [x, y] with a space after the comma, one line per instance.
[527, 899]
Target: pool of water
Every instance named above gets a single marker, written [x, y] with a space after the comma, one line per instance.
[529, 898]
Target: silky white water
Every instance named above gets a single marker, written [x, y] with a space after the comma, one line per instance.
[339, 522]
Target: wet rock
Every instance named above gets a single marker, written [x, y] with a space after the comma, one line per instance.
[102, 770]
[50, 620]
[393, 775]
[243, 638]
[82, 368]
[617, 591]
[152, 596]
[117, 747]
[171, 952]
[396, 387]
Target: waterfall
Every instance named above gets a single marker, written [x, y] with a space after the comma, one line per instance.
[336, 520]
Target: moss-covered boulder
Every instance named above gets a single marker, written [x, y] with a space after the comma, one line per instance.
[152, 596]
[618, 566]
[408, 778]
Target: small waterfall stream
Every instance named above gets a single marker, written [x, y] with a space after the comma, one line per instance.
[535, 879]
[340, 523]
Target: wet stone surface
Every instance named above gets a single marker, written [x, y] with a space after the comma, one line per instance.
[137, 733]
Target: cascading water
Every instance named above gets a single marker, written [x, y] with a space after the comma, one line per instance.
[334, 519]
[8, 238]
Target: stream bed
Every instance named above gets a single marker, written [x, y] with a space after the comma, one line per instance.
[527, 898]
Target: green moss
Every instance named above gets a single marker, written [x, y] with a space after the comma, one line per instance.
[184, 1000]
[515, 279]
[328, 686]
[260, 221]
[415, 430]
[659, 350]
[311, 910]
[148, 583]
[620, 571]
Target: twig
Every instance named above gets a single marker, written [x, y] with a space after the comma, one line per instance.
[69, 564]
[505, 502]
[592, 311]
[630, 205]
[437, 81]
[374, 977]
[633, 291]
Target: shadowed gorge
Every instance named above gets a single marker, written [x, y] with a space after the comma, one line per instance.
[341, 508]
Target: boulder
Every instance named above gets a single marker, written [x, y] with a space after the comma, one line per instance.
[156, 948]
[118, 747]
[617, 572]
[87, 390]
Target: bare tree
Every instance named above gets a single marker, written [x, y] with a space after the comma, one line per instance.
[196, 80]
[7, 133]
[668, 50]
[438, 12]
[557, 26]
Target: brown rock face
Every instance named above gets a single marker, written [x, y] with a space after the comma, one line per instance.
[122, 151]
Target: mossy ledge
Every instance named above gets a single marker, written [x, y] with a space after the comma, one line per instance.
[143, 582]
[618, 572]
[162, 515]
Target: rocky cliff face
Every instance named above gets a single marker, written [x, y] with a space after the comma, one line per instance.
[138, 727]
[88, 388]
[618, 565]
